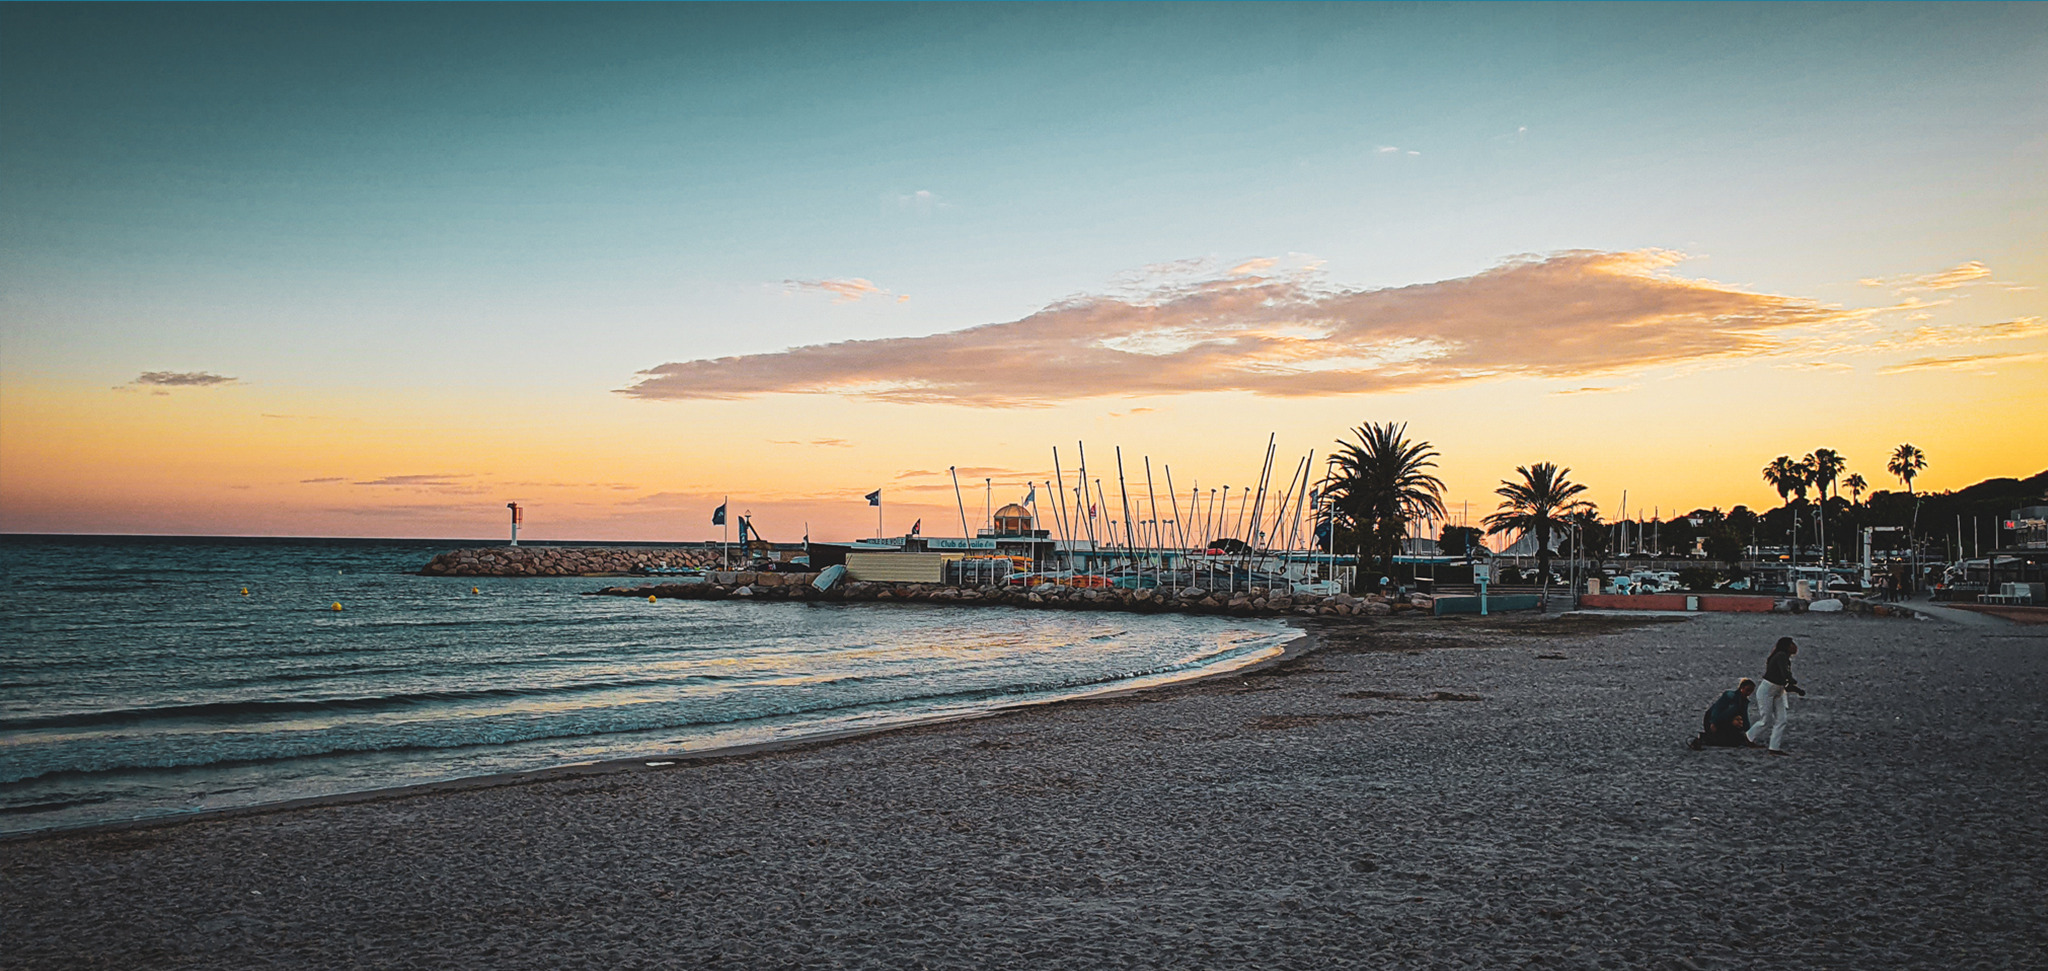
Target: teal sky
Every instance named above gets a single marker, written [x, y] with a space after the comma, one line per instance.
[303, 178]
[391, 201]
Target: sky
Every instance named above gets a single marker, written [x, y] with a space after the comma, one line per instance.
[377, 270]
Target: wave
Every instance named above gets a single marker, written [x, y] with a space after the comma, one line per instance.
[235, 710]
[623, 723]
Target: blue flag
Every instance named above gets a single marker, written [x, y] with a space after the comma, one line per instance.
[875, 498]
[1031, 496]
[718, 515]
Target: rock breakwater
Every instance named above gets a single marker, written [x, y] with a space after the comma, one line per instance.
[1255, 602]
[566, 561]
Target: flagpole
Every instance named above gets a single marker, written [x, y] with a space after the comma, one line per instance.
[725, 531]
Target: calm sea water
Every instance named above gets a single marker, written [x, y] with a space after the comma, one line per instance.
[137, 680]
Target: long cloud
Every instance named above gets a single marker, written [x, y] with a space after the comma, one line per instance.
[1567, 314]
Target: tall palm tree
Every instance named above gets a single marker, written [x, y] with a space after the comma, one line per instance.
[1538, 505]
[1786, 476]
[1377, 484]
[1825, 466]
[1906, 463]
[1789, 477]
[1856, 485]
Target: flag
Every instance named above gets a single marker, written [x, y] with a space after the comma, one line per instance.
[1031, 496]
[718, 515]
[914, 527]
[874, 498]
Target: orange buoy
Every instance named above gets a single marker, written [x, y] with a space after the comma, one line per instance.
[650, 598]
[337, 606]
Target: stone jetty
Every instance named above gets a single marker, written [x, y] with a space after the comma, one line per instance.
[566, 561]
[1255, 602]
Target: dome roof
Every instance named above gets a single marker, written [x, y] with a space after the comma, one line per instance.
[1013, 511]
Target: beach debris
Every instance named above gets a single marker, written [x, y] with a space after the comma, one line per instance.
[657, 765]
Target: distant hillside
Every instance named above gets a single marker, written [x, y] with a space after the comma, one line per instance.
[1987, 500]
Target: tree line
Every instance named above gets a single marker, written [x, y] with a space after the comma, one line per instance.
[1379, 482]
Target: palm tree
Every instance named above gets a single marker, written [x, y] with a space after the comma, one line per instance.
[1856, 486]
[1379, 483]
[1906, 463]
[1825, 466]
[1786, 476]
[1537, 505]
[1592, 533]
[1789, 477]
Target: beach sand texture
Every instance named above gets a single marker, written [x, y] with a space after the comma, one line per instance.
[1466, 793]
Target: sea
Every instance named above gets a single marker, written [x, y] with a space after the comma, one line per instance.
[145, 677]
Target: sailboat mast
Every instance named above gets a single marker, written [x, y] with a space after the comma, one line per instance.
[1124, 496]
[1083, 449]
[1108, 535]
[1172, 497]
[1152, 500]
[1060, 502]
[958, 501]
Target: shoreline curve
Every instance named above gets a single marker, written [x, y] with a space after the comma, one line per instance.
[1304, 643]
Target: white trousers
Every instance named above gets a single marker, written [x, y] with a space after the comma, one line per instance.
[1772, 705]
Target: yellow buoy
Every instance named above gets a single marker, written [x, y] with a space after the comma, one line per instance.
[337, 606]
[245, 591]
[475, 590]
[650, 598]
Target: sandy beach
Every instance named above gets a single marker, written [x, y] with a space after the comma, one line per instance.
[1465, 793]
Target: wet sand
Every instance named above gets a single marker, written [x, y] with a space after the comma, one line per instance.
[1428, 793]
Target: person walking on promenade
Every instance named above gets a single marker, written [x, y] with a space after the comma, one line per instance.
[1771, 701]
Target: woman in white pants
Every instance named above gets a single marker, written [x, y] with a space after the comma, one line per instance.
[1772, 700]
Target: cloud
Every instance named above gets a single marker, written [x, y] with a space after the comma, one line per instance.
[1569, 314]
[1958, 362]
[1954, 334]
[544, 484]
[967, 472]
[182, 379]
[328, 478]
[844, 291]
[826, 442]
[433, 480]
[1594, 389]
[1962, 274]
[922, 202]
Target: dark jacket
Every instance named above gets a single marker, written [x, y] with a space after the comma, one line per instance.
[1730, 706]
[1778, 669]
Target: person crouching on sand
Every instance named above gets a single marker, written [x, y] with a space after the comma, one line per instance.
[1772, 702]
[1726, 719]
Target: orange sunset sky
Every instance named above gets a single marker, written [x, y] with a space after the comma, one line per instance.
[377, 271]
